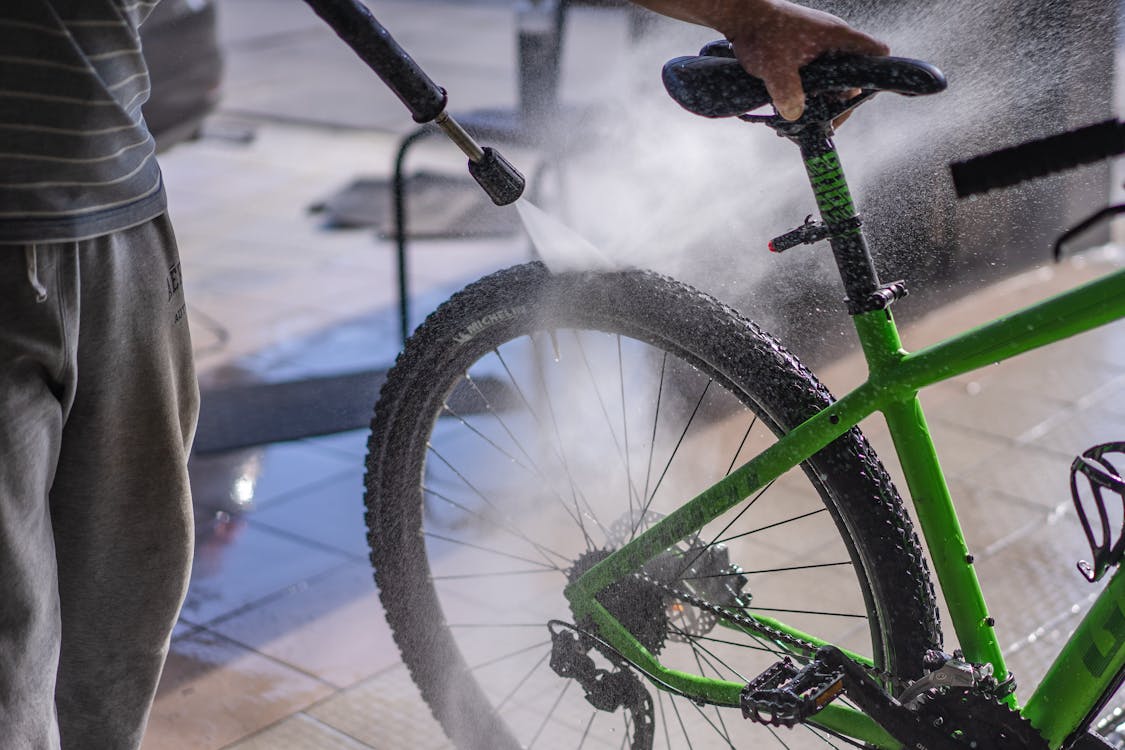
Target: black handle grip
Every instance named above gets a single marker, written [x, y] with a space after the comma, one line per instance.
[714, 84]
[354, 23]
[1010, 166]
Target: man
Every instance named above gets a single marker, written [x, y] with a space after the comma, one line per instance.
[97, 389]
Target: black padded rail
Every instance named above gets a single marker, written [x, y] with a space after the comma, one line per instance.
[715, 85]
[1038, 158]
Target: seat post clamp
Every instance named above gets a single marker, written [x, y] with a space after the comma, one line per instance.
[880, 299]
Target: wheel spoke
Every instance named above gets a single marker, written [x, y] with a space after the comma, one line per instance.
[470, 545]
[698, 649]
[551, 713]
[500, 527]
[522, 681]
[718, 731]
[501, 574]
[739, 644]
[510, 655]
[446, 408]
[802, 612]
[777, 737]
[741, 445]
[622, 453]
[773, 525]
[508, 430]
[586, 732]
[577, 517]
[699, 662]
[768, 570]
[513, 528]
[700, 550]
[820, 734]
[766, 645]
[675, 450]
[625, 431]
[532, 469]
[559, 449]
[664, 718]
[680, 720]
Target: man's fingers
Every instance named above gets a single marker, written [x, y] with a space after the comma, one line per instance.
[861, 44]
[779, 43]
[787, 94]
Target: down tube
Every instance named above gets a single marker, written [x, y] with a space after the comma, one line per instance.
[1087, 667]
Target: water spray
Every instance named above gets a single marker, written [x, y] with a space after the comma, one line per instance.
[357, 26]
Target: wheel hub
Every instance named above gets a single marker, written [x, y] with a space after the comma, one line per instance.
[652, 615]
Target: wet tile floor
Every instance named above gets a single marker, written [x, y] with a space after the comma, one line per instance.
[282, 643]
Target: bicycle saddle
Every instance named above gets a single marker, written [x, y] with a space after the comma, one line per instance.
[714, 84]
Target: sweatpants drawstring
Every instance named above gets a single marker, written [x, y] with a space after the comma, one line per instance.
[33, 274]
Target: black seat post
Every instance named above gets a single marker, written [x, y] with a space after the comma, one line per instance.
[837, 210]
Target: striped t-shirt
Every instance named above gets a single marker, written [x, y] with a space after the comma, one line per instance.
[76, 159]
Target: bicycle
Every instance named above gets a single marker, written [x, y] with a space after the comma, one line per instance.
[656, 582]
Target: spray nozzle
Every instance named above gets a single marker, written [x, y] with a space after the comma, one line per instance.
[503, 182]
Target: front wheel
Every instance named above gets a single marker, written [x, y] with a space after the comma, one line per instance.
[535, 423]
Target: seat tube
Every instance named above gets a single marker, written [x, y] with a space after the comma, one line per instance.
[883, 348]
[837, 211]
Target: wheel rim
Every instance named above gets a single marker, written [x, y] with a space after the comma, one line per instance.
[498, 573]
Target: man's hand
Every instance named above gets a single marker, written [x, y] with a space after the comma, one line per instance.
[773, 39]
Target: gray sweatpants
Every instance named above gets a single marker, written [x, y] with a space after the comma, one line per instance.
[98, 402]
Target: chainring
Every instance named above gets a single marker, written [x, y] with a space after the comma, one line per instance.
[978, 720]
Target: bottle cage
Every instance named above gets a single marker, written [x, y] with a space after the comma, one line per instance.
[1099, 476]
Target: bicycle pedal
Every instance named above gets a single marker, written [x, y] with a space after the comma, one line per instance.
[784, 696]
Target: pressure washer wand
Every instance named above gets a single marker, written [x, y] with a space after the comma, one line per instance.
[355, 24]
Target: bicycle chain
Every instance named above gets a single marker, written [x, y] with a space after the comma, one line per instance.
[773, 634]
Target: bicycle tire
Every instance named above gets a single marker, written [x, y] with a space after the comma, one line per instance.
[529, 307]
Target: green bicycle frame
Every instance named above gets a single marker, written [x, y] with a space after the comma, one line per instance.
[1093, 657]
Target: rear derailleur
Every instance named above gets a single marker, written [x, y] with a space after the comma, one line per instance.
[606, 690]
